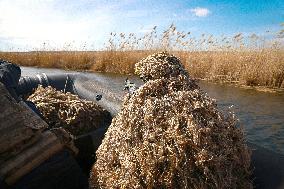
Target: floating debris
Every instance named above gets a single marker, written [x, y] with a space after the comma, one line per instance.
[68, 111]
[169, 134]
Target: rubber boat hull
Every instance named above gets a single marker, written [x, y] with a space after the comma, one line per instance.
[268, 166]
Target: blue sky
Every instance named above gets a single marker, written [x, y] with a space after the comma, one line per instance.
[28, 24]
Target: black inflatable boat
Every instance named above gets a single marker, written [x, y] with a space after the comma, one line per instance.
[268, 166]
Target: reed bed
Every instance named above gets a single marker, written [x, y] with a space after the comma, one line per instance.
[244, 59]
[52, 59]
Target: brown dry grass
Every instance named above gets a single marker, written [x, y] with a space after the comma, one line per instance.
[68, 111]
[169, 134]
[251, 60]
[46, 59]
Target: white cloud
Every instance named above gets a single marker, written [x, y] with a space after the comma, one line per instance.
[28, 24]
[200, 12]
[31, 23]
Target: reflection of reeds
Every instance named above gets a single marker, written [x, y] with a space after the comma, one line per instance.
[251, 60]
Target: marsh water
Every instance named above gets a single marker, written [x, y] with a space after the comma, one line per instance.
[260, 113]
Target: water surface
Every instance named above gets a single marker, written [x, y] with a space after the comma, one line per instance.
[260, 113]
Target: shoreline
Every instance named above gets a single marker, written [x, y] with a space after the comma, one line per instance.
[265, 89]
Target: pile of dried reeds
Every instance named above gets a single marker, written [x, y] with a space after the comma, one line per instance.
[169, 134]
[68, 111]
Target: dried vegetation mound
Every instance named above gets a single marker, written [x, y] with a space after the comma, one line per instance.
[68, 111]
[159, 65]
[169, 134]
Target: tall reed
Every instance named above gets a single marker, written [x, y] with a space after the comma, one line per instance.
[247, 59]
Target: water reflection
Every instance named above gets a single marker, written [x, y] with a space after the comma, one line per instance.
[261, 113]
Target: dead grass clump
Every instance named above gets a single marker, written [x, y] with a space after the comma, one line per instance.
[68, 111]
[169, 134]
[159, 65]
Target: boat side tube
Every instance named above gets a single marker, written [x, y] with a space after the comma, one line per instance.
[73, 83]
[62, 82]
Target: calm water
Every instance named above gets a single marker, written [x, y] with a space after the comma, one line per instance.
[260, 113]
